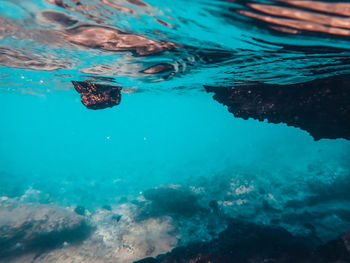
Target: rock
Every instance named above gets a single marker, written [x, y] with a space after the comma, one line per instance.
[334, 251]
[97, 96]
[29, 228]
[174, 202]
[116, 237]
[251, 243]
[147, 260]
[241, 242]
[320, 106]
[107, 207]
[80, 210]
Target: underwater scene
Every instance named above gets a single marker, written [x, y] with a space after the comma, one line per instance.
[158, 131]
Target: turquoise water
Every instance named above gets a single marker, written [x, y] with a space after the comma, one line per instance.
[167, 132]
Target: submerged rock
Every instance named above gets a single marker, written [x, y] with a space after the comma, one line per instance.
[252, 243]
[29, 228]
[334, 251]
[320, 106]
[170, 201]
[98, 96]
[117, 237]
[80, 210]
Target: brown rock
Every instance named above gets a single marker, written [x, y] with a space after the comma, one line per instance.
[98, 96]
[320, 106]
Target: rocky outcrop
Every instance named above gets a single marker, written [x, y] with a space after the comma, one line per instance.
[165, 201]
[320, 106]
[334, 251]
[49, 233]
[29, 228]
[251, 243]
[98, 96]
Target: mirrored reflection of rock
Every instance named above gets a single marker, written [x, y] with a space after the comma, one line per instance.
[101, 11]
[320, 107]
[24, 58]
[59, 18]
[98, 96]
[112, 39]
[300, 17]
[159, 68]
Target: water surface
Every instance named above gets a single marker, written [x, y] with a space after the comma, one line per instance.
[167, 144]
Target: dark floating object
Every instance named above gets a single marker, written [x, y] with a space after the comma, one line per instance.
[320, 106]
[97, 96]
[251, 243]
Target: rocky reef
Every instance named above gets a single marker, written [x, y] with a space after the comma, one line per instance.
[186, 221]
[319, 106]
[43, 233]
[29, 228]
[97, 96]
[245, 242]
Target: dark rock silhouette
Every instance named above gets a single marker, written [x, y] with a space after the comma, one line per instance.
[98, 96]
[251, 243]
[173, 202]
[320, 106]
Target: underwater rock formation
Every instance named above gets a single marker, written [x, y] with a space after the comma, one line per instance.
[169, 201]
[98, 96]
[116, 237]
[320, 106]
[245, 242]
[27, 227]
